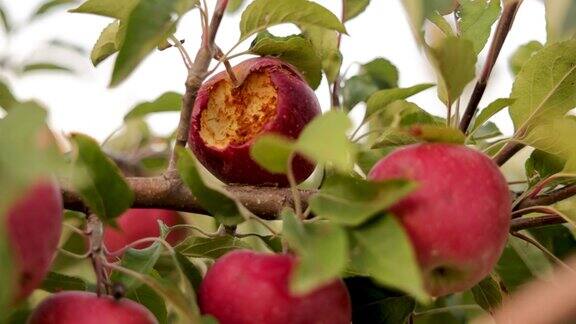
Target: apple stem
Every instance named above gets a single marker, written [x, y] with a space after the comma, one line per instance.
[502, 30]
[294, 188]
[95, 233]
[196, 75]
[222, 58]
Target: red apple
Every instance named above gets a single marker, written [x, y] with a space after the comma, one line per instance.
[457, 219]
[244, 287]
[136, 224]
[79, 307]
[272, 98]
[34, 225]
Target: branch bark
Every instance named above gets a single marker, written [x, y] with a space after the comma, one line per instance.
[502, 30]
[519, 224]
[507, 152]
[549, 198]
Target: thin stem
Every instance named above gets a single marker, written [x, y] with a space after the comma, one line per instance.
[502, 30]
[293, 187]
[74, 229]
[220, 57]
[185, 57]
[550, 197]
[519, 224]
[74, 255]
[542, 248]
[507, 152]
[448, 309]
[141, 241]
[191, 227]
[95, 233]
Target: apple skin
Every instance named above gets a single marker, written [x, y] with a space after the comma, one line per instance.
[79, 307]
[244, 287]
[34, 225]
[296, 106]
[458, 217]
[137, 224]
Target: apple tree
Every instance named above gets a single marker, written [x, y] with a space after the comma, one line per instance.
[264, 207]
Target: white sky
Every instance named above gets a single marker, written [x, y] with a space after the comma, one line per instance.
[84, 103]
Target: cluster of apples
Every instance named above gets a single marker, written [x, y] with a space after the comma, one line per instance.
[457, 218]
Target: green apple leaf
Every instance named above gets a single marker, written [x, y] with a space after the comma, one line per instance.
[322, 250]
[354, 8]
[487, 294]
[56, 282]
[50, 5]
[108, 8]
[169, 101]
[98, 180]
[560, 22]
[375, 75]
[324, 140]
[487, 131]
[557, 239]
[272, 152]
[261, 14]
[544, 88]
[541, 165]
[146, 296]
[381, 99]
[192, 274]
[44, 67]
[377, 305]
[490, 110]
[419, 10]
[225, 209]
[454, 60]
[107, 44]
[235, 5]
[7, 98]
[353, 201]
[382, 250]
[325, 44]
[476, 20]
[523, 55]
[393, 137]
[440, 21]
[139, 260]
[438, 134]
[148, 24]
[211, 248]
[295, 49]
[382, 72]
[405, 113]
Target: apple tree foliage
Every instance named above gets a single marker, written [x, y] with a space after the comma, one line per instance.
[351, 233]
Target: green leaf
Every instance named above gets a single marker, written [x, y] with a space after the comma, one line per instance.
[418, 10]
[438, 134]
[352, 201]
[225, 209]
[325, 44]
[487, 294]
[234, 5]
[169, 101]
[50, 5]
[272, 152]
[560, 22]
[382, 72]
[98, 180]
[454, 60]
[381, 99]
[393, 137]
[354, 8]
[152, 301]
[376, 305]
[322, 250]
[383, 250]
[487, 113]
[148, 24]
[56, 282]
[544, 88]
[139, 260]
[324, 140]
[294, 49]
[108, 8]
[405, 113]
[193, 275]
[35, 67]
[541, 165]
[557, 239]
[261, 14]
[442, 24]
[487, 131]
[357, 89]
[522, 55]
[476, 20]
[212, 248]
[7, 98]
[107, 44]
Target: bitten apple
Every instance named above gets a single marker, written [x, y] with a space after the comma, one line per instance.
[458, 217]
[78, 307]
[272, 97]
[136, 224]
[244, 287]
[34, 225]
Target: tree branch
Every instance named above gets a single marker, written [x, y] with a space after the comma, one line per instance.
[549, 198]
[519, 224]
[508, 151]
[196, 76]
[502, 30]
[162, 193]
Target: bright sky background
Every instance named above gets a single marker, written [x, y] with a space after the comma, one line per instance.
[84, 103]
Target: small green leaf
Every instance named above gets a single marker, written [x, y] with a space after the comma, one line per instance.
[98, 180]
[7, 98]
[212, 248]
[193, 275]
[108, 8]
[35, 67]
[261, 14]
[454, 60]
[404, 113]
[487, 131]
[139, 260]
[541, 165]
[152, 301]
[50, 5]
[325, 44]
[558, 239]
[383, 250]
[476, 20]
[272, 152]
[391, 137]
[294, 49]
[169, 101]
[234, 5]
[352, 201]
[57, 282]
[560, 22]
[225, 209]
[438, 134]
[442, 24]
[487, 113]
[354, 8]
[382, 72]
[357, 89]
[487, 294]
[381, 99]
[324, 140]
[107, 44]
[522, 55]
[322, 250]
